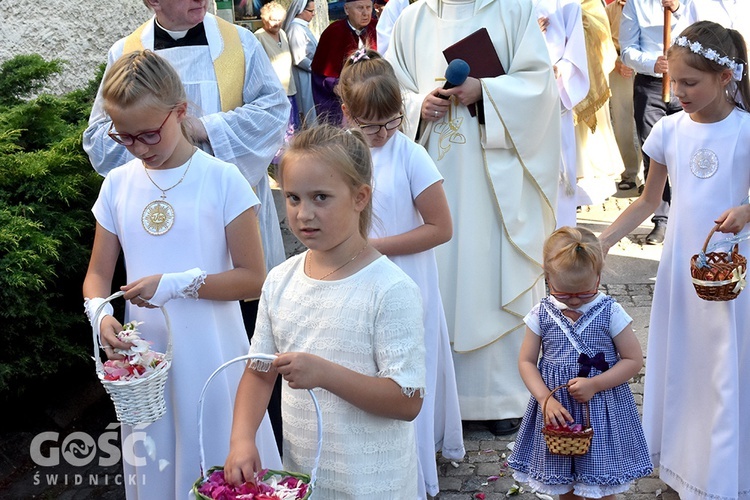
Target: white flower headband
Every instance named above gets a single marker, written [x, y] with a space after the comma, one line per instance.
[712, 55]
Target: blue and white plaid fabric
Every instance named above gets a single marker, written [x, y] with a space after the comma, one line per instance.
[618, 452]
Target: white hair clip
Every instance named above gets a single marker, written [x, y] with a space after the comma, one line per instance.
[712, 55]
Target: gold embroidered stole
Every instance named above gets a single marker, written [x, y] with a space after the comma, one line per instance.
[229, 66]
[599, 47]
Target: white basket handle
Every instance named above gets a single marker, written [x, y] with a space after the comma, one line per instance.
[260, 357]
[97, 325]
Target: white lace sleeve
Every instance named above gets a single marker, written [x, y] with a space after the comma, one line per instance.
[399, 338]
[263, 341]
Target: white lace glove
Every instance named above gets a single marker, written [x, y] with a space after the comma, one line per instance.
[178, 286]
[91, 305]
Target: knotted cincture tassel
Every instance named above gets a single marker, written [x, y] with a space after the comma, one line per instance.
[598, 361]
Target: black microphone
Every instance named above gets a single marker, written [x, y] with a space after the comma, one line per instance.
[455, 75]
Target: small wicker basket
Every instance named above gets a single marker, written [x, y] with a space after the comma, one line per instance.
[723, 277]
[561, 442]
[309, 479]
[140, 400]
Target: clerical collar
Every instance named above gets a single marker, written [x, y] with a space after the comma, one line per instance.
[176, 35]
[166, 39]
[355, 30]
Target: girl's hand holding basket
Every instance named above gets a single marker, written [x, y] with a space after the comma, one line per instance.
[243, 468]
[582, 389]
[566, 439]
[718, 276]
[555, 414]
[134, 376]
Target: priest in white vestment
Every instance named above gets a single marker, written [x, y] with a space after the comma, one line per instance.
[501, 181]
[560, 21]
[247, 135]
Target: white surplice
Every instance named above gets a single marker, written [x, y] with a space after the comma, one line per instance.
[501, 183]
[247, 137]
[402, 170]
[567, 50]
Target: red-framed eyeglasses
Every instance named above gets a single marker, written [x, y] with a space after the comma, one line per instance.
[579, 295]
[149, 137]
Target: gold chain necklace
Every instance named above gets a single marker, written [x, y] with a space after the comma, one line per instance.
[307, 263]
[158, 216]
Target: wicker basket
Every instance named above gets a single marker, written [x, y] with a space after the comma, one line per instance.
[309, 479]
[566, 442]
[140, 400]
[723, 277]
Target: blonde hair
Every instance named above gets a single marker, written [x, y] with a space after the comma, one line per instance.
[269, 8]
[143, 76]
[726, 43]
[573, 249]
[368, 86]
[344, 150]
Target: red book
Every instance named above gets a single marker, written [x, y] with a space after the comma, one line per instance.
[479, 53]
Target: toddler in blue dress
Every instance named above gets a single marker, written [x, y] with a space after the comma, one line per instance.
[588, 345]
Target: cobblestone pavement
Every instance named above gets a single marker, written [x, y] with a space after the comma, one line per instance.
[629, 278]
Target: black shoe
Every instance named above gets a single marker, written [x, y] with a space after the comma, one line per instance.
[504, 427]
[626, 184]
[656, 236]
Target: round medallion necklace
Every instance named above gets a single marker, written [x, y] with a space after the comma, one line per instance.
[158, 216]
[307, 264]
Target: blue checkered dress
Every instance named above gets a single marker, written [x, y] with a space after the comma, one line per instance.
[618, 452]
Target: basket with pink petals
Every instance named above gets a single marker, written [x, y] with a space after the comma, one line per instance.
[135, 383]
[268, 484]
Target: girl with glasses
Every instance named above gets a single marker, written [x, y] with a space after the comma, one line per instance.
[411, 218]
[187, 227]
[587, 344]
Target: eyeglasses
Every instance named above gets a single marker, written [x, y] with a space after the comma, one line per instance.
[149, 137]
[374, 128]
[580, 295]
[311, 11]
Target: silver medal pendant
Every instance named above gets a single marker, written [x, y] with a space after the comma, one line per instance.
[704, 163]
[158, 217]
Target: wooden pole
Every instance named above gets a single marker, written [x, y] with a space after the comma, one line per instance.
[666, 40]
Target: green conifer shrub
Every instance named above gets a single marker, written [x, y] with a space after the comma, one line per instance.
[47, 188]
